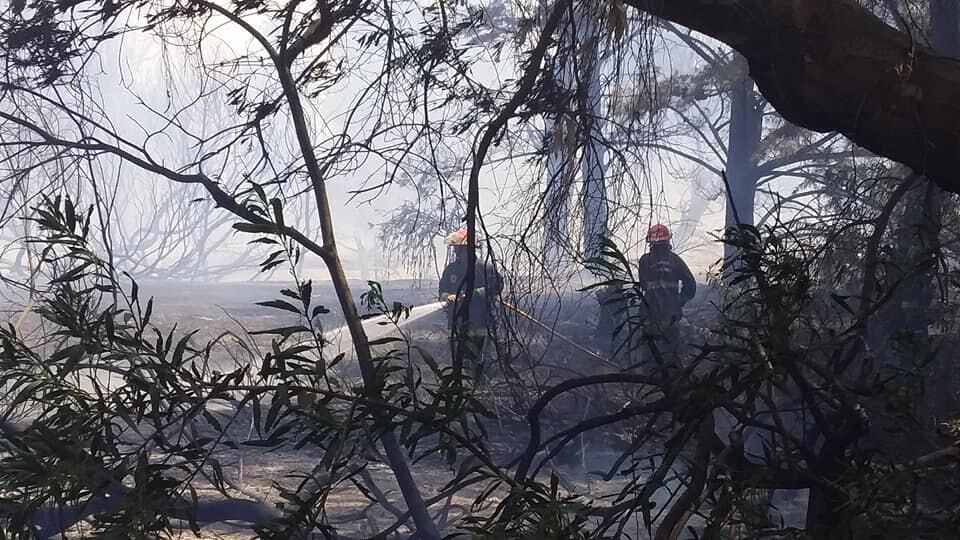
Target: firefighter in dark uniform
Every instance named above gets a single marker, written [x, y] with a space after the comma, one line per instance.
[469, 324]
[667, 285]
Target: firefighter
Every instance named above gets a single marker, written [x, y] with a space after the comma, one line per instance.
[667, 285]
[468, 324]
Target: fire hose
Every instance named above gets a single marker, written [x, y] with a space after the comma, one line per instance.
[553, 332]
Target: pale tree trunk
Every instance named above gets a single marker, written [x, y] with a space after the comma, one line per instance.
[363, 259]
[686, 228]
[593, 167]
[564, 135]
[746, 116]
[560, 171]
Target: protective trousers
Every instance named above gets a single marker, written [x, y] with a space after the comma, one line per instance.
[470, 341]
[662, 335]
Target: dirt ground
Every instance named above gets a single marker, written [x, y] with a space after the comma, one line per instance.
[217, 308]
[214, 309]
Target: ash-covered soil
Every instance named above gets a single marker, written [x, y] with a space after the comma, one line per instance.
[538, 360]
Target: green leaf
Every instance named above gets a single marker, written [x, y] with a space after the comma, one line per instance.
[260, 192]
[70, 215]
[306, 399]
[256, 228]
[65, 352]
[277, 211]
[285, 331]
[384, 341]
[148, 312]
[269, 266]
[264, 240]
[279, 400]
[134, 288]
[256, 407]
[428, 359]
[280, 304]
[306, 294]
[213, 421]
[71, 275]
[181, 347]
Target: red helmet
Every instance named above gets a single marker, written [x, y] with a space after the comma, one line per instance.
[457, 238]
[658, 233]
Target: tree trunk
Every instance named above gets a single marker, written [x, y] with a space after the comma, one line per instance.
[559, 179]
[686, 229]
[746, 116]
[927, 224]
[945, 27]
[831, 65]
[593, 167]
[396, 458]
[906, 318]
[363, 259]
[827, 518]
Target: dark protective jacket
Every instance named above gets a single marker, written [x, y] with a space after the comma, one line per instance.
[487, 285]
[666, 281]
